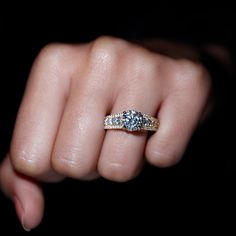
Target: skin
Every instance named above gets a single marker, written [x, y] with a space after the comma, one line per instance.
[59, 129]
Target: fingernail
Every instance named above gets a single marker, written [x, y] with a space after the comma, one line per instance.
[20, 213]
[23, 224]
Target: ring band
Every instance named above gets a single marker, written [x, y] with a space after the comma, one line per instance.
[131, 120]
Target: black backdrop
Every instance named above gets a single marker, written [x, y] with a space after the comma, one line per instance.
[202, 183]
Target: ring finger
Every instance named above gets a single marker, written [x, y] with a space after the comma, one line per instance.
[122, 152]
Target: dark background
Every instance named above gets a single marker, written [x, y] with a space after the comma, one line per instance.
[194, 192]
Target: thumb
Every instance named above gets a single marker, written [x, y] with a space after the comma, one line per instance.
[25, 193]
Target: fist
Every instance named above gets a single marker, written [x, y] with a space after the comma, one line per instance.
[59, 130]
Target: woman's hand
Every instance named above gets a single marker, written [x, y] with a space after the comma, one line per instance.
[59, 130]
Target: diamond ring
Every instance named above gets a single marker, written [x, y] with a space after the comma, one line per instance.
[131, 120]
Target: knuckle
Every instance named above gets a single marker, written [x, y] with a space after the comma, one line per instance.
[55, 58]
[54, 53]
[116, 172]
[71, 167]
[106, 50]
[54, 65]
[192, 74]
[189, 66]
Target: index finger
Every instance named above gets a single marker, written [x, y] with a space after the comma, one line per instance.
[40, 112]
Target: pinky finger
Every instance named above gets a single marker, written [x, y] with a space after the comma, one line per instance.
[25, 193]
[179, 116]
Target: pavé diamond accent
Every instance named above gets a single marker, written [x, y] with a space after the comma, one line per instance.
[146, 121]
[116, 121]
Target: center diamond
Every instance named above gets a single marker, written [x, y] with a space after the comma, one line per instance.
[132, 120]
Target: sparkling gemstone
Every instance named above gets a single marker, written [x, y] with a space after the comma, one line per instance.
[132, 120]
[107, 121]
[146, 121]
[116, 121]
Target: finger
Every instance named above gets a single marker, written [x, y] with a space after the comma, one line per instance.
[179, 115]
[81, 132]
[25, 193]
[80, 135]
[122, 152]
[40, 113]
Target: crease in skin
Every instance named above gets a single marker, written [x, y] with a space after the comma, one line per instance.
[72, 162]
[25, 156]
[75, 168]
[116, 165]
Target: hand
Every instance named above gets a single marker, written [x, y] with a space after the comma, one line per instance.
[59, 129]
